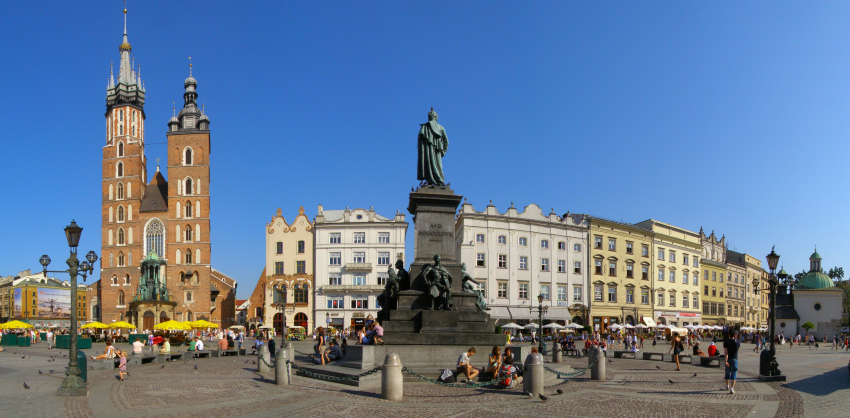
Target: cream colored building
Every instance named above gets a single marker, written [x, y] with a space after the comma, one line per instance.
[620, 261]
[755, 317]
[736, 288]
[713, 266]
[289, 265]
[676, 255]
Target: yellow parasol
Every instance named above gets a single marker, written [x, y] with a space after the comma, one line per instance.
[171, 325]
[121, 325]
[15, 324]
[203, 324]
[94, 325]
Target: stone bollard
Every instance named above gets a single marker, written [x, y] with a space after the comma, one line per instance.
[597, 370]
[532, 374]
[263, 357]
[290, 352]
[392, 382]
[556, 353]
[282, 368]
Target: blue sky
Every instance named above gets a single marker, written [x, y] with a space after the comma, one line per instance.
[729, 116]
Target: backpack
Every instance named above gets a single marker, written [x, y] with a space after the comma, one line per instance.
[448, 376]
[505, 376]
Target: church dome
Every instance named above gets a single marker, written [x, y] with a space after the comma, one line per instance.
[814, 280]
[815, 255]
[190, 81]
[173, 120]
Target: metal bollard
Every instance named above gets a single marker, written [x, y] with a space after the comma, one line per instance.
[532, 374]
[263, 357]
[556, 353]
[597, 371]
[282, 368]
[392, 382]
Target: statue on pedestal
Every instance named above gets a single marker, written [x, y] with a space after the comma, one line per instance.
[481, 303]
[403, 276]
[439, 283]
[433, 145]
[389, 298]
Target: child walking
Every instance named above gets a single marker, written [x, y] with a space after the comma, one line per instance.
[122, 364]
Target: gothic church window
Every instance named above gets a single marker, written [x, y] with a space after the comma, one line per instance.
[120, 236]
[187, 237]
[114, 279]
[120, 149]
[188, 188]
[188, 256]
[121, 297]
[155, 238]
[188, 209]
[120, 170]
[188, 157]
[120, 213]
[120, 191]
[120, 259]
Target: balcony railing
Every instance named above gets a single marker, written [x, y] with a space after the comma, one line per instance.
[358, 267]
[352, 287]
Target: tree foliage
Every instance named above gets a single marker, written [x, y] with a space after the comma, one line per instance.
[836, 274]
[808, 326]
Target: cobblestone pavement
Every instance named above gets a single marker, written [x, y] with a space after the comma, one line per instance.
[231, 387]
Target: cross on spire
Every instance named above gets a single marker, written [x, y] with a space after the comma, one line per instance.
[190, 66]
[157, 164]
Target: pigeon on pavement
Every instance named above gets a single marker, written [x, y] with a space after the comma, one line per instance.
[543, 397]
[39, 372]
[657, 366]
[671, 381]
[26, 386]
[560, 392]
[609, 360]
[695, 375]
[530, 396]
[162, 367]
[196, 367]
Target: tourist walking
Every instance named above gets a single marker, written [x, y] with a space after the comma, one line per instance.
[730, 351]
[122, 364]
[676, 347]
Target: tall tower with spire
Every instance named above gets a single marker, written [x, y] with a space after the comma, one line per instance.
[124, 176]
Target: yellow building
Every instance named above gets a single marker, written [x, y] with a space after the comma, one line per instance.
[756, 317]
[676, 256]
[620, 261]
[44, 302]
[713, 266]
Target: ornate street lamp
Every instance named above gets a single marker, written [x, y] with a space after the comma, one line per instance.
[768, 367]
[281, 307]
[540, 311]
[73, 384]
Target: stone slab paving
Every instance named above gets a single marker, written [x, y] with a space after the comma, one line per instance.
[228, 386]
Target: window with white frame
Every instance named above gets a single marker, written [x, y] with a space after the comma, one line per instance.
[336, 302]
[597, 243]
[612, 293]
[544, 264]
[482, 287]
[685, 259]
[660, 275]
[502, 290]
[562, 266]
[630, 270]
[359, 257]
[684, 301]
[479, 260]
[523, 290]
[577, 248]
[630, 295]
[359, 302]
[562, 293]
[685, 277]
[382, 279]
[383, 237]
[544, 243]
[335, 237]
[644, 251]
[672, 299]
[612, 268]
[672, 276]
[577, 267]
[335, 259]
[696, 262]
[660, 299]
[503, 239]
[383, 259]
[562, 245]
[612, 244]
[576, 293]
[598, 266]
[661, 254]
[544, 290]
[672, 256]
[358, 279]
[644, 273]
[630, 248]
[523, 241]
[644, 296]
[334, 279]
[359, 237]
[479, 238]
[523, 263]
[503, 261]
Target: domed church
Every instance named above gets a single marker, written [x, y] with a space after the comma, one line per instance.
[815, 299]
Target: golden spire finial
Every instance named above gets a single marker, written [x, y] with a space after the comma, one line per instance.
[190, 66]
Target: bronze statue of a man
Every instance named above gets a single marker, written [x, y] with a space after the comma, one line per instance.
[389, 298]
[467, 286]
[439, 285]
[433, 145]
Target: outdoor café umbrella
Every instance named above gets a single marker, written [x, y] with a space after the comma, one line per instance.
[511, 325]
[94, 325]
[15, 325]
[171, 325]
[531, 326]
[121, 325]
[573, 326]
[553, 325]
[203, 324]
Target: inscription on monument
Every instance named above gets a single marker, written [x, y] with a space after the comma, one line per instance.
[436, 233]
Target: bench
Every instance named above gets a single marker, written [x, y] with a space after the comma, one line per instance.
[621, 353]
[654, 356]
[164, 357]
[105, 364]
[706, 361]
[682, 357]
[138, 360]
[200, 354]
[222, 353]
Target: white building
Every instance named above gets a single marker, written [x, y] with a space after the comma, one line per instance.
[516, 256]
[353, 250]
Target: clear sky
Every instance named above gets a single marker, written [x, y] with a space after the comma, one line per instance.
[727, 115]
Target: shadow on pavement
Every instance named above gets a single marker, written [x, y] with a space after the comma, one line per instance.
[822, 384]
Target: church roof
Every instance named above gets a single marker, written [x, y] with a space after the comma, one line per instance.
[787, 312]
[816, 255]
[815, 280]
[156, 195]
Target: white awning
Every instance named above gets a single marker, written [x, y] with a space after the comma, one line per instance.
[554, 313]
[649, 322]
[499, 312]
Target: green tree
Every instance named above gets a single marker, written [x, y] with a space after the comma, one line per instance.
[792, 281]
[808, 326]
[836, 274]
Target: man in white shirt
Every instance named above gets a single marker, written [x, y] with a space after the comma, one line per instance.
[200, 345]
[463, 366]
[49, 336]
[137, 347]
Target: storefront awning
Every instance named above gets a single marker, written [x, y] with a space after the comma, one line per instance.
[554, 313]
[499, 312]
[649, 322]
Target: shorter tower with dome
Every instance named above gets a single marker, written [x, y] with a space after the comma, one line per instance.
[815, 299]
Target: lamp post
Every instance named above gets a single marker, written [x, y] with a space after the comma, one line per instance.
[281, 308]
[73, 384]
[768, 366]
[540, 311]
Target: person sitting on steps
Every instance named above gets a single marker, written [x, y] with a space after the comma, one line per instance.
[463, 366]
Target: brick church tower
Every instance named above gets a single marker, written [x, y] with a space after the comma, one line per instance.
[156, 234]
